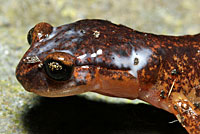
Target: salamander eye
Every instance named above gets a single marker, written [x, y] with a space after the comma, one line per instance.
[29, 36]
[57, 70]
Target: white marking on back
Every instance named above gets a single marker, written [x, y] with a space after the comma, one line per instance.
[143, 56]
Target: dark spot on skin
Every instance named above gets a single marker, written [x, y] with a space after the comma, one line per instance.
[197, 92]
[197, 105]
[82, 31]
[175, 107]
[81, 83]
[174, 72]
[123, 53]
[120, 78]
[183, 120]
[136, 61]
[162, 94]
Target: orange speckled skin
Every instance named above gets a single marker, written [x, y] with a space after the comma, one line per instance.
[118, 61]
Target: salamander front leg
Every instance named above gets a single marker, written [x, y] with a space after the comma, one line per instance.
[186, 113]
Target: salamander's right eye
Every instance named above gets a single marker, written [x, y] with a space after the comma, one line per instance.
[57, 70]
[30, 35]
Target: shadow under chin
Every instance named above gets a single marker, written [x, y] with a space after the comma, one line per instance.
[77, 115]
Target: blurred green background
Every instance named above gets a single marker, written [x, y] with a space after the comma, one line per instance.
[174, 17]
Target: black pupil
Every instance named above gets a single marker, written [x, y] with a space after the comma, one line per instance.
[29, 36]
[57, 70]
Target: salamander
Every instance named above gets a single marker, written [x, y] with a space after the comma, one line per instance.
[98, 56]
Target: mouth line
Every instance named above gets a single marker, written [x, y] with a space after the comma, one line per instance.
[67, 92]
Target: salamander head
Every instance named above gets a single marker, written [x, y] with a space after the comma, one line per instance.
[80, 57]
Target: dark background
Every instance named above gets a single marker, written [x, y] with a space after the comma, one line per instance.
[77, 115]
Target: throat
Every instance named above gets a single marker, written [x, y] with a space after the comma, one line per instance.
[121, 89]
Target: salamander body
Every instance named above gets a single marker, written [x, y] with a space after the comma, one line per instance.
[114, 60]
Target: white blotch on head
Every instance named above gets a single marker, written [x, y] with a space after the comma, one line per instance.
[61, 58]
[72, 32]
[74, 40]
[94, 55]
[85, 66]
[179, 104]
[99, 52]
[71, 84]
[53, 33]
[83, 75]
[40, 36]
[54, 42]
[81, 57]
[48, 36]
[143, 56]
[198, 51]
[96, 34]
[96, 86]
[65, 51]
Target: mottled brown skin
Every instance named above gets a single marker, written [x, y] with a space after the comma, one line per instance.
[169, 80]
